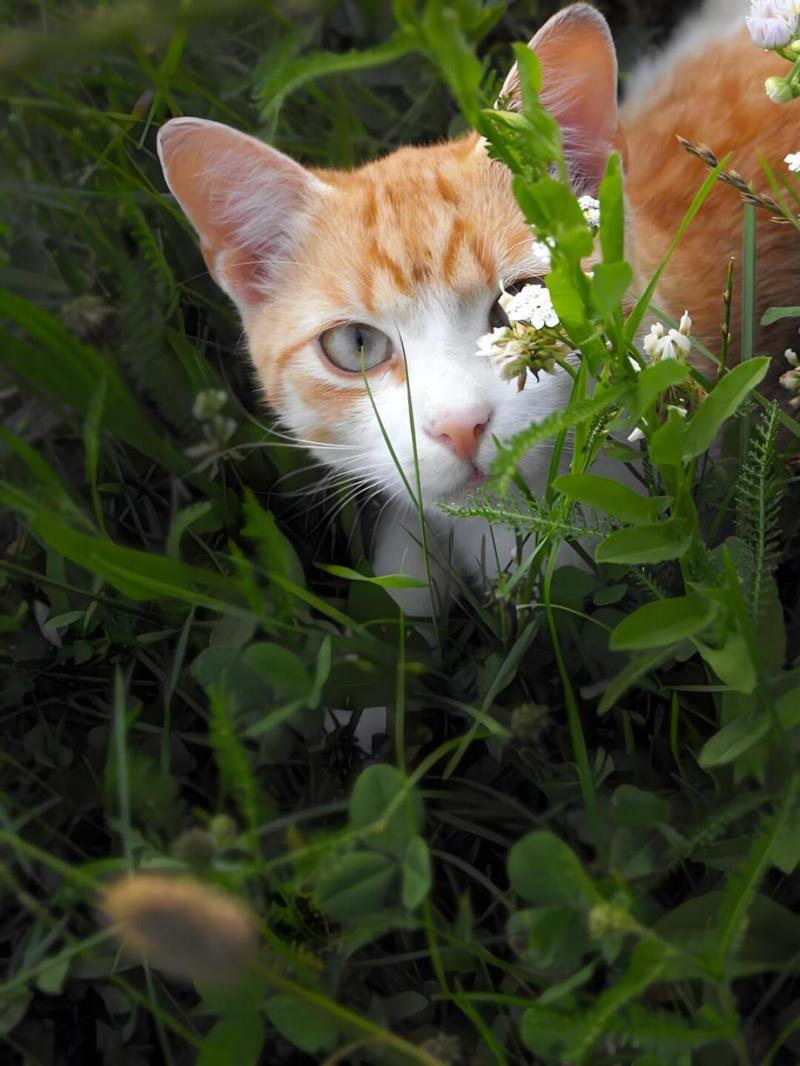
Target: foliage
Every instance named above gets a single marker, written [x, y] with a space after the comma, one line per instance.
[577, 840]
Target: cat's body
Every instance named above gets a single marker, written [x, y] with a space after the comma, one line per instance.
[402, 261]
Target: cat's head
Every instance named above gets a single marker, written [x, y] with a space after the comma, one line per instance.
[395, 267]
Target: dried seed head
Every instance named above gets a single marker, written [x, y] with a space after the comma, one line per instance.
[182, 927]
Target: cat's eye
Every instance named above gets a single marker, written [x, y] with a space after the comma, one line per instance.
[498, 319]
[355, 347]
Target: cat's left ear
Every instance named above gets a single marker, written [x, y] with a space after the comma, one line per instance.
[249, 203]
[579, 88]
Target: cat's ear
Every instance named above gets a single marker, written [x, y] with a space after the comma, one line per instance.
[247, 201]
[579, 88]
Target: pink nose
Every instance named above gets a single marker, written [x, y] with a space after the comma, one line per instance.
[461, 431]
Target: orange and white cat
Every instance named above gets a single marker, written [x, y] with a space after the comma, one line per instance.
[399, 263]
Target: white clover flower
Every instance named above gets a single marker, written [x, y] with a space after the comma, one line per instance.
[674, 344]
[591, 210]
[772, 23]
[792, 161]
[532, 304]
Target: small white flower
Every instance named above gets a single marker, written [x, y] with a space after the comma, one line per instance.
[591, 210]
[541, 250]
[792, 161]
[495, 343]
[772, 23]
[207, 403]
[674, 344]
[532, 304]
[679, 408]
[791, 380]
[638, 434]
[791, 357]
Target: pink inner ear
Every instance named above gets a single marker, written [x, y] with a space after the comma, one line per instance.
[579, 88]
[247, 202]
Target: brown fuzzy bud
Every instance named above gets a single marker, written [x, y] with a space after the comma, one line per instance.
[184, 928]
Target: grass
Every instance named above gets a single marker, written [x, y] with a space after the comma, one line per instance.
[578, 842]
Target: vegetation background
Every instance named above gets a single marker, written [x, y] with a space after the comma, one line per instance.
[165, 710]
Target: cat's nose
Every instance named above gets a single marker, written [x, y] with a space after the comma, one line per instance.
[461, 431]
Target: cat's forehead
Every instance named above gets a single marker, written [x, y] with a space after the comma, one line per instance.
[441, 217]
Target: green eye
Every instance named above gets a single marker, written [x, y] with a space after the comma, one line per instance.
[355, 347]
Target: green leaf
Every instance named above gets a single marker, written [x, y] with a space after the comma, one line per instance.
[416, 874]
[723, 400]
[638, 666]
[733, 740]
[656, 379]
[386, 581]
[664, 622]
[606, 494]
[355, 884]
[666, 444]
[742, 888]
[283, 671]
[376, 789]
[301, 1023]
[610, 282]
[731, 662]
[543, 870]
[775, 314]
[787, 708]
[612, 213]
[548, 937]
[653, 543]
[238, 1038]
[632, 807]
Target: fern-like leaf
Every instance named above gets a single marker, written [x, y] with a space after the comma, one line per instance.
[758, 498]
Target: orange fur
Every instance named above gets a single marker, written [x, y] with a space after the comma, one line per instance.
[717, 99]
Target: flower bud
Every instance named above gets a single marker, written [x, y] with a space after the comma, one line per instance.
[778, 90]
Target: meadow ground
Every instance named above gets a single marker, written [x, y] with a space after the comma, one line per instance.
[565, 849]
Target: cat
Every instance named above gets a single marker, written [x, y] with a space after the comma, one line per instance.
[401, 261]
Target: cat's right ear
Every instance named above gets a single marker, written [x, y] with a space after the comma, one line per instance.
[248, 202]
[579, 88]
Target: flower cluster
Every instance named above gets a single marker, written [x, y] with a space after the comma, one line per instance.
[671, 344]
[791, 379]
[217, 428]
[775, 26]
[531, 342]
[772, 23]
[674, 344]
